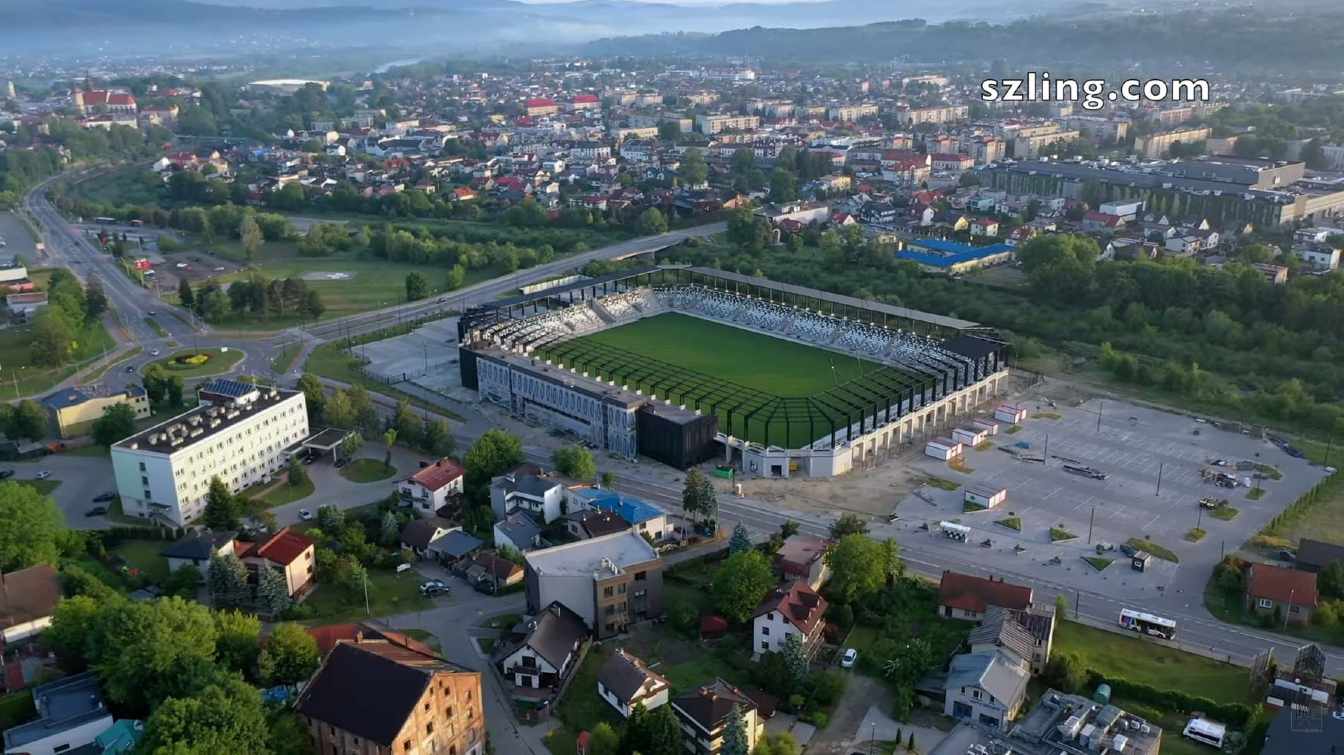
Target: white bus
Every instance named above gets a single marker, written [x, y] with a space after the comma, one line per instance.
[1146, 623]
[1206, 732]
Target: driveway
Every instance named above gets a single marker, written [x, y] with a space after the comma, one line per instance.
[331, 489]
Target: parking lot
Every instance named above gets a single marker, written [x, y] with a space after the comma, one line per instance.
[1132, 447]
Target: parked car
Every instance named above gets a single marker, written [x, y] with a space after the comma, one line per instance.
[154, 353]
[340, 463]
[850, 657]
[305, 514]
[434, 587]
[130, 368]
[96, 511]
[44, 474]
[484, 586]
[104, 497]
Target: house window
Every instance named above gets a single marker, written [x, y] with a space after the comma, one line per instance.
[641, 576]
[765, 631]
[975, 694]
[1294, 609]
[1266, 603]
[765, 645]
[608, 591]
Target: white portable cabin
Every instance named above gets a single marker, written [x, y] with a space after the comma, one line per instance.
[943, 449]
[988, 496]
[1206, 732]
[970, 436]
[1010, 413]
[989, 427]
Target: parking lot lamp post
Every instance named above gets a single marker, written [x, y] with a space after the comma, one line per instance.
[1160, 467]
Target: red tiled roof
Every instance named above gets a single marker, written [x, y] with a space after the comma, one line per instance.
[799, 604]
[437, 475]
[328, 636]
[969, 593]
[282, 547]
[799, 552]
[585, 98]
[1281, 585]
[541, 102]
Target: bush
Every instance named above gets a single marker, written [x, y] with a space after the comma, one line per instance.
[818, 719]
[1233, 714]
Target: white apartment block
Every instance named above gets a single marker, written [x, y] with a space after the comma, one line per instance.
[713, 124]
[243, 438]
[944, 114]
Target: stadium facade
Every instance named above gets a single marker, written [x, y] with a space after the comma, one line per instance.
[526, 354]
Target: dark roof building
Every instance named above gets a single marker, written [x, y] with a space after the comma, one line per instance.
[1315, 555]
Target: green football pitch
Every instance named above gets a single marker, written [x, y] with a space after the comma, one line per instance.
[765, 389]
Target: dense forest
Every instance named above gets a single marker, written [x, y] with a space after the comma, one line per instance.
[31, 156]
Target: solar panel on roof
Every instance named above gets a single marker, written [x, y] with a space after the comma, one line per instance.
[230, 388]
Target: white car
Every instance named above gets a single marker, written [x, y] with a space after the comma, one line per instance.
[43, 475]
[849, 658]
[154, 353]
[305, 514]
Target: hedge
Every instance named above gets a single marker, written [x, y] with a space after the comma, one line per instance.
[1233, 714]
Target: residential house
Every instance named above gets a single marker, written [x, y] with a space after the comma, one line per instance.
[453, 548]
[70, 715]
[287, 551]
[792, 609]
[1319, 258]
[984, 226]
[530, 492]
[1315, 555]
[962, 596]
[987, 688]
[491, 571]
[328, 636]
[379, 697]
[704, 715]
[609, 581]
[625, 681]
[430, 488]
[419, 534]
[74, 410]
[1026, 634]
[804, 557]
[519, 531]
[1288, 593]
[587, 524]
[646, 518]
[197, 548]
[543, 657]
[28, 598]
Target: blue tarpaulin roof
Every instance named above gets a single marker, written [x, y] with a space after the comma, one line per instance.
[948, 253]
[632, 510]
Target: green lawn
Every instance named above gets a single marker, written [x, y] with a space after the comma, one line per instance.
[281, 492]
[581, 708]
[1058, 533]
[503, 621]
[284, 359]
[332, 361]
[143, 555]
[1146, 662]
[1098, 562]
[19, 373]
[1195, 535]
[1012, 523]
[1225, 513]
[1158, 551]
[367, 470]
[154, 325]
[770, 378]
[220, 361]
[389, 593]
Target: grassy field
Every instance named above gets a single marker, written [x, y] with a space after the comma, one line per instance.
[1158, 551]
[330, 360]
[220, 362]
[284, 359]
[143, 556]
[18, 372]
[1147, 662]
[126, 184]
[45, 487]
[281, 492]
[679, 357]
[389, 593]
[367, 470]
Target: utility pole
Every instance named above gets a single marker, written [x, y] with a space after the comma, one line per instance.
[1045, 453]
[1091, 518]
[367, 612]
[1160, 467]
[1077, 599]
[1101, 403]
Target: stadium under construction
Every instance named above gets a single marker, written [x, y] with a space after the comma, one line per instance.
[547, 358]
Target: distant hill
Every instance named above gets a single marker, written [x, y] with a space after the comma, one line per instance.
[1148, 44]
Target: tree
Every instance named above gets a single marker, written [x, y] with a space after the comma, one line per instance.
[312, 304]
[698, 498]
[652, 222]
[183, 581]
[32, 527]
[145, 653]
[735, 733]
[350, 445]
[239, 637]
[52, 338]
[1332, 580]
[669, 131]
[859, 567]
[652, 732]
[782, 743]
[117, 423]
[295, 475]
[439, 438]
[416, 287]
[795, 659]
[185, 296]
[575, 462]
[1061, 607]
[249, 233]
[95, 301]
[330, 519]
[604, 740]
[27, 420]
[222, 509]
[788, 529]
[608, 480]
[226, 578]
[272, 593]
[223, 717]
[494, 453]
[173, 387]
[457, 275]
[1065, 672]
[290, 655]
[848, 524]
[783, 186]
[313, 395]
[741, 583]
[70, 635]
[389, 440]
[741, 540]
[693, 170]
[389, 529]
